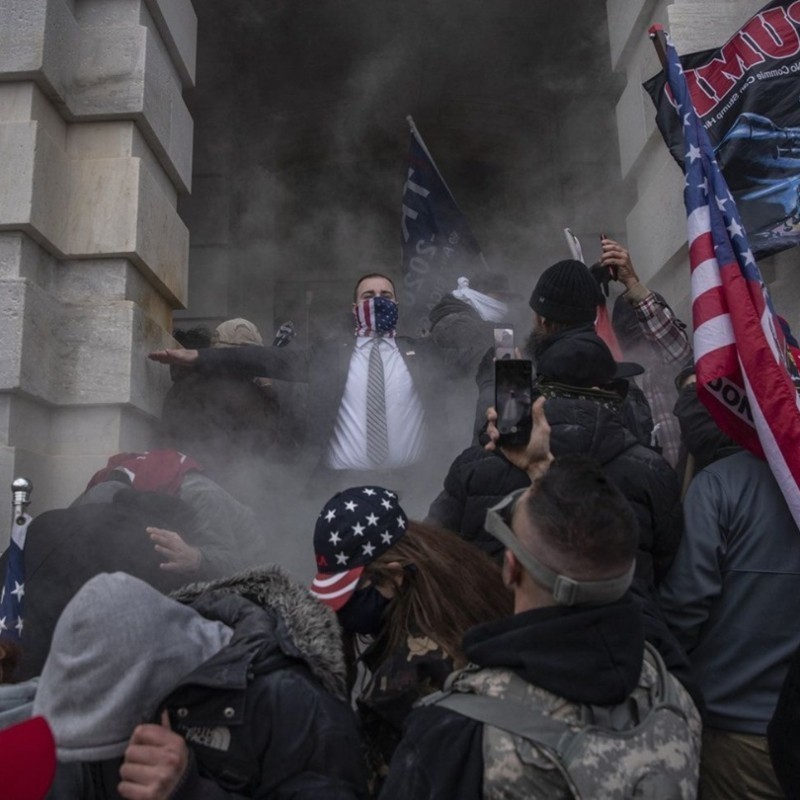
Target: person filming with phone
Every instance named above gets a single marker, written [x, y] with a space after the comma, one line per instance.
[585, 389]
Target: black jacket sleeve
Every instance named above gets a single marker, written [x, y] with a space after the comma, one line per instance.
[477, 479]
[439, 758]
[287, 364]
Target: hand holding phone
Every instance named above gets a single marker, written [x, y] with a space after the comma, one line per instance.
[618, 260]
[513, 398]
[534, 457]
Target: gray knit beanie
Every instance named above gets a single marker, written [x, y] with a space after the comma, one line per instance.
[118, 649]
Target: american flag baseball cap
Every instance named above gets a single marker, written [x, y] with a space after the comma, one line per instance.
[353, 529]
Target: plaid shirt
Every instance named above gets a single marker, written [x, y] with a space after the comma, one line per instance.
[671, 346]
[663, 329]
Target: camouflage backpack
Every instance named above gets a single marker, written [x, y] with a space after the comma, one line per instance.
[536, 744]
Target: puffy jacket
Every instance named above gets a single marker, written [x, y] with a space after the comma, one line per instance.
[267, 716]
[457, 326]
[478, 479]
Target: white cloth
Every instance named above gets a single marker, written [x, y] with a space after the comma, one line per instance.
[404, 414]
[490, 309]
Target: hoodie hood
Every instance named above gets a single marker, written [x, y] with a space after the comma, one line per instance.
[304, 629]
[118, 648]
[586, 655]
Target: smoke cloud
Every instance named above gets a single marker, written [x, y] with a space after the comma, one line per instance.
[301, 140]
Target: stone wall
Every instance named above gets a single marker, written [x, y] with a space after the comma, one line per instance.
[96, 146]
[656, 222]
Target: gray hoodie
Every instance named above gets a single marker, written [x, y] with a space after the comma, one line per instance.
[118, 648]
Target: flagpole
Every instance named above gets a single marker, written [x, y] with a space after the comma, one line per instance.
[659, 39]
[415, 132]
[21, 489]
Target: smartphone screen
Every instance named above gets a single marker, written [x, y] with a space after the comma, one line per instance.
[504, 342]
[513, 398]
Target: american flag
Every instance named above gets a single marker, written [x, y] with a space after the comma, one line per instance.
[13, 591]
[746, 375]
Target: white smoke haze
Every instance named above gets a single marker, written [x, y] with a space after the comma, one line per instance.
[300, 147]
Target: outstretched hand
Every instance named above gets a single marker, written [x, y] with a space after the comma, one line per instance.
[181, 357]
[179, 556]
[535, 457]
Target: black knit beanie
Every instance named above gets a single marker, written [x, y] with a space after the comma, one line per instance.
[567, 292]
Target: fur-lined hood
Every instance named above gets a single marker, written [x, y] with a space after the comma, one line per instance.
[312, 626]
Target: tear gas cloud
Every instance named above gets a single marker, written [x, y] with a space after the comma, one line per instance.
[300, 147]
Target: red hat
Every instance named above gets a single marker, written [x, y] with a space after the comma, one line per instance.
[27, 760]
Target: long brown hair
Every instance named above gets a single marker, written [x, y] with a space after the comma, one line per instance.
[448, 586]
[10, 654]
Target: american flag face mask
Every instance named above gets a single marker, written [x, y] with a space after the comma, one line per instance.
[376, 316]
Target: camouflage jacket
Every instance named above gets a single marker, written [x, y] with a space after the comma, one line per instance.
[396, 682]
[612, 764]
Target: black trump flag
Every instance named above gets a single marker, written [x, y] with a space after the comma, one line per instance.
[437, 244]
[747, 96]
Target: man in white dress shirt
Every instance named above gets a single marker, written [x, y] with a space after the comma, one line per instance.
[353, 426]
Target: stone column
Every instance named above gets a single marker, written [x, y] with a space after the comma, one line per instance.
[656, 221]
[96, 146]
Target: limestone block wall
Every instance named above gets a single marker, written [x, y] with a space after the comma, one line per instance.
[656, 225]
[95, 149]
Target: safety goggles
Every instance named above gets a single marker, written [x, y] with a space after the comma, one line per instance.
[566, 591]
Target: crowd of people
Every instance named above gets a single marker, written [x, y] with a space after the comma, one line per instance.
[603, 610]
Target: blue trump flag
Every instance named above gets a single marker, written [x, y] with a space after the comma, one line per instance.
[438, 246]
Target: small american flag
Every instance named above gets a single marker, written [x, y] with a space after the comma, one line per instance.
[746, 374]
[13, 591]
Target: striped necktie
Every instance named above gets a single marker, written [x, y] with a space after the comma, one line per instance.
[377, 433]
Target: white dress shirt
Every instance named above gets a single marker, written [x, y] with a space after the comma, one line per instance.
[404, 414]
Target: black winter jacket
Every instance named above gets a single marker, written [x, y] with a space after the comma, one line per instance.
[478, 479]
[456, 325]
[66, 547]
[266, 717]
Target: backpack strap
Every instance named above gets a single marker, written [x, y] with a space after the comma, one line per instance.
[531, 723]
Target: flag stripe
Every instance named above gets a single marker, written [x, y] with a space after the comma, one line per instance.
[705, 276]
[710, 305]
[713, 335]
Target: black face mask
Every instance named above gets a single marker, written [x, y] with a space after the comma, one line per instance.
[363, 613]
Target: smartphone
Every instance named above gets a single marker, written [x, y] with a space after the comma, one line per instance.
[504, 342]
[512, 399]
[612, 271]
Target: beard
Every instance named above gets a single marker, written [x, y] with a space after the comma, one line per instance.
[533, 343]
